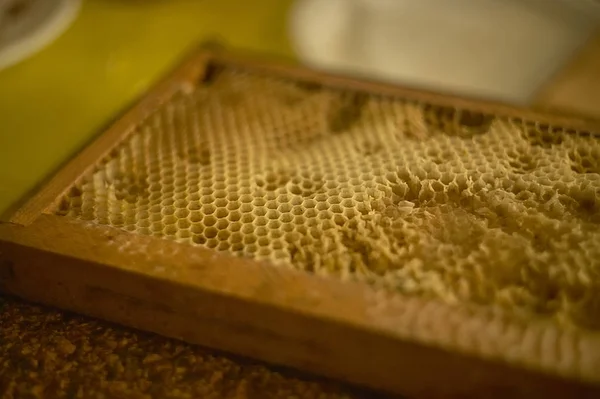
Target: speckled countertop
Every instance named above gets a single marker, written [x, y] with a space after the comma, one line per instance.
[45, 353]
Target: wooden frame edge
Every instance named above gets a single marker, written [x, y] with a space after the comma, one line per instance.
[571, 87]
[286, 69]
[347, 331]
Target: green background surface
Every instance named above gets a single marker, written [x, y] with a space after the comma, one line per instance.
[55, 102]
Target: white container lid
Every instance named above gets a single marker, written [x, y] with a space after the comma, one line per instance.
[27, 26]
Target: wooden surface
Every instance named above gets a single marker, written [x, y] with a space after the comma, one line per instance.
[576, 89]
[47, 353]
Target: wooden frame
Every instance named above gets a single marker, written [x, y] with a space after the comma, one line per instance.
[343, 330]
[576, 87]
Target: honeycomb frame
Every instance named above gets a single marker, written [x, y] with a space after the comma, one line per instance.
[113, 264]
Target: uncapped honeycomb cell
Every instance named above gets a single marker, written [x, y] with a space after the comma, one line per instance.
[426, 200]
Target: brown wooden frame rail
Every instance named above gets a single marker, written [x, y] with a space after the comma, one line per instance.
[348, 331]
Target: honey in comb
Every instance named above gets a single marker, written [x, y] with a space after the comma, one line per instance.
[426, 200]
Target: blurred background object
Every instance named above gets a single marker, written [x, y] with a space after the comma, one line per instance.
[575, 89]
[27, 26]
[495, 49]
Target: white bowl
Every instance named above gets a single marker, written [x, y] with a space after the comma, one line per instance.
[27, 26]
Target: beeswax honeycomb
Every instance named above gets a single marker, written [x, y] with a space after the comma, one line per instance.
[422, 199]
